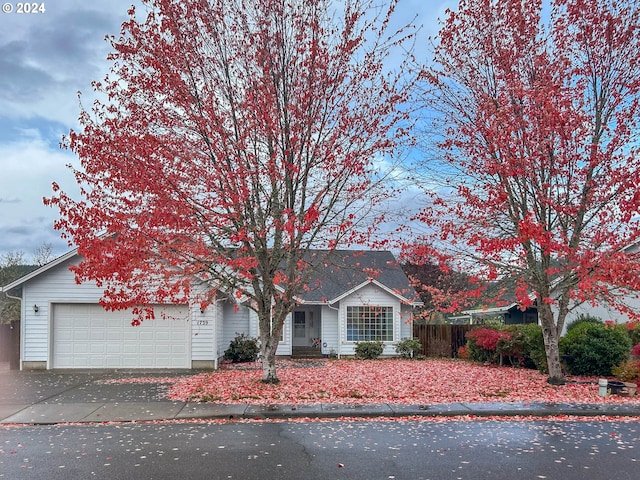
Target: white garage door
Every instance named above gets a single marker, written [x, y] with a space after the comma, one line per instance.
[87, 336]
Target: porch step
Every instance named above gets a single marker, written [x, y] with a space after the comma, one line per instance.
[306, 352]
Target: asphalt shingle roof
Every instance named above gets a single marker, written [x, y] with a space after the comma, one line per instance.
[340, 271]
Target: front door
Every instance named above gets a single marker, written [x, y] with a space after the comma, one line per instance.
[300, 334]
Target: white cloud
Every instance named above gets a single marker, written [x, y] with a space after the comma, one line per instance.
[29, 165]
[44, 60]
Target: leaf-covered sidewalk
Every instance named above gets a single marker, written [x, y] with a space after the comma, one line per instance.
[383, 381]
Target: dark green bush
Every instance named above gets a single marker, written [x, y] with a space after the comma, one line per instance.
[582, 319]
[369, 350]
[242, 349]
[409, 348]
[593, 348]
[531, 341]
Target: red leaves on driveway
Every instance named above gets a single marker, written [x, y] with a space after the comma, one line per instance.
[383, 381]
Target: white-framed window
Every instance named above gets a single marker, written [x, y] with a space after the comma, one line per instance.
[366, 322]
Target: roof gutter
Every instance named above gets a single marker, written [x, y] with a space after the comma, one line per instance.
[11, 296]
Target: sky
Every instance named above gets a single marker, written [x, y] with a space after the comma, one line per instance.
[46, 58]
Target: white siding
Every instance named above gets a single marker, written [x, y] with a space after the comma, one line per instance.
[220, 347]
[406, 322]
[236, 320]
[202, 333]
[284, 347]
[603, 311]
[254, 327]
[374, 296]
[251, 328]
[329, 335]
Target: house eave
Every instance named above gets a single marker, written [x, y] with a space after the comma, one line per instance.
[372, 281]
[48, 266]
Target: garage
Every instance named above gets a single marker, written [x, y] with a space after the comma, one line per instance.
[88, 336]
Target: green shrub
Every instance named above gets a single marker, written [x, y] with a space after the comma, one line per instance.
[369, 350]
[242, 349]
[593, 348]
[409, 348]
[582, 319]
[531, 343]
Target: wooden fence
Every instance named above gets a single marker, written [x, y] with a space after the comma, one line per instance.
[10, 344]
[441, 340]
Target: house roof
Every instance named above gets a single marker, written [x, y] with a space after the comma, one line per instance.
[336, 274]
[342, 272]
[48, 266]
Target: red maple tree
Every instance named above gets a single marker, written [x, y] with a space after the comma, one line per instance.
[233, 138]
[537, 114]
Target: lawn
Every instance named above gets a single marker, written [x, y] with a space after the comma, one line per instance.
[383, 381]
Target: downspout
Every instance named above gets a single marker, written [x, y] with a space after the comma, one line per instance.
[218, 318]
[215, 334]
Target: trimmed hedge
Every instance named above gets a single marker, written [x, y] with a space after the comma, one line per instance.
[369, 350]
[593, 348]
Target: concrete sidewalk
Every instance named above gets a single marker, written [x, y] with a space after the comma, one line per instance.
[52, 397]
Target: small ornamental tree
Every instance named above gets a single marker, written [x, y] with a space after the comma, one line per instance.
[234, 137]
[538, 127]
[484, 344]
[11, 268]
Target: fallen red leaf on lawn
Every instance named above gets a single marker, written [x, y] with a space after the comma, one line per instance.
[382, 381]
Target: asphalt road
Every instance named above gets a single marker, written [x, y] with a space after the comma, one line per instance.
[368, 450]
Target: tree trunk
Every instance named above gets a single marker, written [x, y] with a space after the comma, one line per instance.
[269, 362]
[550, 335]
[270, 331]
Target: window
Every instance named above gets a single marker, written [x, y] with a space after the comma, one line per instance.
[369, 323]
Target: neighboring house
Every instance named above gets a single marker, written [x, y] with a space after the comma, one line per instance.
[509, 314]
[353, 296]
[603, 310]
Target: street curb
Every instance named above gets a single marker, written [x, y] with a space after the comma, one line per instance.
[131, 412]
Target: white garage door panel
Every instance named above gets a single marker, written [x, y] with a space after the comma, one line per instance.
[87, 336]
